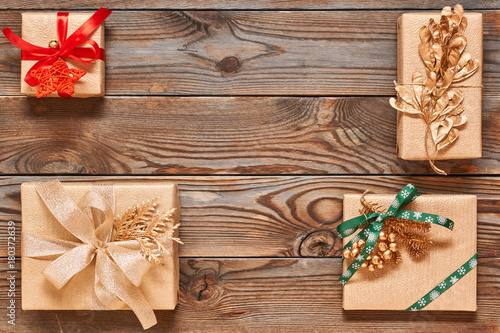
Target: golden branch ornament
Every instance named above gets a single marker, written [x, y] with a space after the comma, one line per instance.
[441, 49]
[149, 227]
[394, 233]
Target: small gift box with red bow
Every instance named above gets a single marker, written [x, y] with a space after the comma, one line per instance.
[100, 246]
[62, 54]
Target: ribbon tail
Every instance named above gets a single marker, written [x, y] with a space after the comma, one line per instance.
[47, 55]
[40, 247]
[103, 299]
[61, 270]
[84, 30]
[113, 278]
[24, 45]
[374, 230]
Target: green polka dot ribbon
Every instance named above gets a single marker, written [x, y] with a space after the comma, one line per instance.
[370, 226]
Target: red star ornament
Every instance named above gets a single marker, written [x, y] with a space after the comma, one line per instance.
[57, 76]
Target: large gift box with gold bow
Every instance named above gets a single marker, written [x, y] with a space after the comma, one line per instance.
[62, 53]
[421, 251]
[439, 85]
[100, 246]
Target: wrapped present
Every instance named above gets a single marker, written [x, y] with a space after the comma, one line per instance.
[62, 53]
[411, 252]
[100, 247]
[439, 85]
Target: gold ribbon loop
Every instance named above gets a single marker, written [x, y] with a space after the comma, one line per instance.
[98, 204]
[66, 211]
[61, 270]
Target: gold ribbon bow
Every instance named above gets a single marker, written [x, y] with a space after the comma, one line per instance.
[119, 265]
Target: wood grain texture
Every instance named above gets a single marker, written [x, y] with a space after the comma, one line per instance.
[269, 295]
[305, 53]
[244, 4]
[278, 216]
[259, 253]
[217, 135]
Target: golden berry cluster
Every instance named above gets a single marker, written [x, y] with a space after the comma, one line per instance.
[384, 250]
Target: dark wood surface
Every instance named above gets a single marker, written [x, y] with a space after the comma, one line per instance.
[246, 4]
[285, 216]
[299, 53]
[217, 135]
[271, 295]
[265, 113]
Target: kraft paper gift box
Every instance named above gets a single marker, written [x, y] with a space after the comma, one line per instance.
[401, 285]
[160, 285]
[40, 28]
[411, 129]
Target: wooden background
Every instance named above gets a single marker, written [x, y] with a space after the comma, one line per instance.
[265, 113]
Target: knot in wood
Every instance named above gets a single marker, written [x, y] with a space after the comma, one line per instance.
[318, 243]
[228, 65]
[325, 210]
[205, 287]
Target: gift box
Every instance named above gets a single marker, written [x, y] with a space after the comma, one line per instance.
[45, 205]
[62, 53]
[40, 28]
[411, 128]
[399, 286]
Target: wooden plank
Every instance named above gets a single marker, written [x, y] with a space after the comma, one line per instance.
[304, 53]
[244, 4]
[264, 295]
[217, 135]
[278, 216]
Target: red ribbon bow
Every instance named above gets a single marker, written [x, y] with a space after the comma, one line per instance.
[67, 47]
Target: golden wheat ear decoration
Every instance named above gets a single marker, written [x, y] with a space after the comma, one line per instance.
[441, 49]
[152, 229]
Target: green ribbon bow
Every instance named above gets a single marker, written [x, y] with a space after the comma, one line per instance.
[371, 225]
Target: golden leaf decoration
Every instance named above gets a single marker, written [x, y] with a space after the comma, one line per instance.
[441, 50]
[153, 230]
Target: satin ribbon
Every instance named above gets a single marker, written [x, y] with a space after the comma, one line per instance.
[67, 46]
[371, 225]
[119, 266]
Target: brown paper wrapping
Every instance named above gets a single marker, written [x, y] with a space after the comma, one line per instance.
[161, 284]
[39, 28]
[411, 129]
[400, 286]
